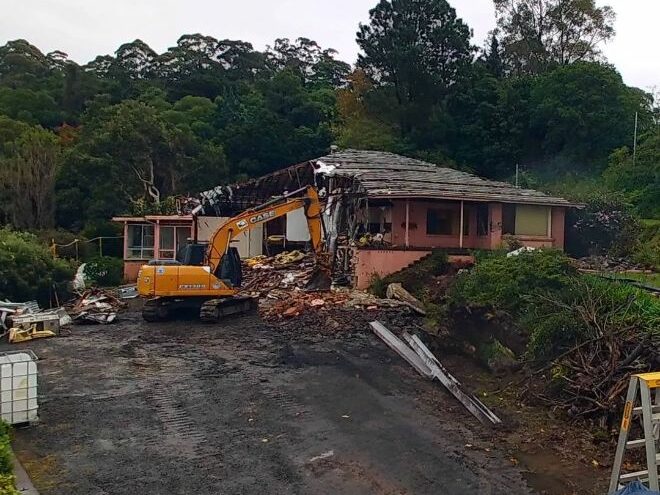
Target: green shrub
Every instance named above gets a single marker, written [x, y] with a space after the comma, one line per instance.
[6, 466]
[66, 244]
[105, 271]
[28, 270]
[378, 285]
[8, 485]
[588, 307]
[647, 251]
[7, 480]
[506, 283]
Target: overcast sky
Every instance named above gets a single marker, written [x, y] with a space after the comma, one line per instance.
[86, 28]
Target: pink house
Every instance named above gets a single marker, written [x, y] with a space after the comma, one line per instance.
[382, 212]
[385, 211]
[152, 237]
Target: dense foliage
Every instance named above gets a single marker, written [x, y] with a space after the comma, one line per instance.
[81, 143]
[505, 282]
[28, 270]
[586, 332]
[104, 271]
[605, 225]
[7, 479]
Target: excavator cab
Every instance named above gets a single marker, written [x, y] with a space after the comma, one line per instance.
[191, 254]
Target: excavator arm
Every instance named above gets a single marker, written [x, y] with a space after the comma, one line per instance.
[306, 198]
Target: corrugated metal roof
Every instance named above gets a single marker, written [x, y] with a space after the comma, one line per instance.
[387, 175]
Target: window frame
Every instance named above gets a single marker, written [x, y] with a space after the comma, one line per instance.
[176, 241]
[453, 217]
[141, 251]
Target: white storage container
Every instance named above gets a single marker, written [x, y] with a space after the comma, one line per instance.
[18, 387]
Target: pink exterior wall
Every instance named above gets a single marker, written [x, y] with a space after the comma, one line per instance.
[131, 269]
[382, 262]
[418, 238]
[495, 225]
[558, 227]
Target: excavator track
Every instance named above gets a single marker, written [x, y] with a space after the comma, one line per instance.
[156, 309]
[214, 310]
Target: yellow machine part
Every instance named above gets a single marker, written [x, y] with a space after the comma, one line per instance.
[17, 335]
[181, 280]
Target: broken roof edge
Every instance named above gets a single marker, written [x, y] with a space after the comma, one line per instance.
[475, 199]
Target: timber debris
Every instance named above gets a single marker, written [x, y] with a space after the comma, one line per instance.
[95, 306]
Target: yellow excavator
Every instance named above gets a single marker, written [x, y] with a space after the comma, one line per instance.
[208, 277]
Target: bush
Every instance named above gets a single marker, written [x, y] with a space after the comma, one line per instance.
[647, 251]
[7, 480]
[506, 283]
[605, 225]
[28, 270]
[66, 247]
[105, 271]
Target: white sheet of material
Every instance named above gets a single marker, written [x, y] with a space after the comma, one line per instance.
[297, 229]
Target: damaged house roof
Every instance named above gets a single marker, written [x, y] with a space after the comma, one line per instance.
[386, 175]
[382, 175]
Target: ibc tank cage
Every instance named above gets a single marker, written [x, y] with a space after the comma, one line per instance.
[18, 386]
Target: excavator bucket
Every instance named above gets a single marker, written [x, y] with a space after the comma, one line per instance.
[320, 280]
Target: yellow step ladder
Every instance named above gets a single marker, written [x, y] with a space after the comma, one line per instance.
[648, 386]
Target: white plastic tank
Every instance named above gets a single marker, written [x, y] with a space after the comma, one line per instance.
[18, 387]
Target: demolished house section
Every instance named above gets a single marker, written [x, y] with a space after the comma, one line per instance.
[383, 212]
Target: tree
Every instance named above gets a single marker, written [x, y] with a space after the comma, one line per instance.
[419, 47]
[359, 128]
[309, 60]
[539, 34]
[28, 270]
[22, 64]
[28, 167]
[493, 57]
[580, 113]
[639, 181]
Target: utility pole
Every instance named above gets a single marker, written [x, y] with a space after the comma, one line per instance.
[517, 167]
[635, 140]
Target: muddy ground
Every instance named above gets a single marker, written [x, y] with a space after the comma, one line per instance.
[245, 407]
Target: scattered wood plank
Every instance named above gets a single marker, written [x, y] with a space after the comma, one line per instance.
[398, 346]
[396, 291]
[478, 409]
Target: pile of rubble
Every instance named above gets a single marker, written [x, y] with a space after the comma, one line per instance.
[27, 321]
[607, 264]
[279, 281]
[95, 306]
[286, 270]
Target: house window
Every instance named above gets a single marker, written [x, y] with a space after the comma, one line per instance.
[172, 239]
[508, 219]
[525, 220]
[140, 244]
[482, 219]
[380, 219]
[442, 221]
[532, 220]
